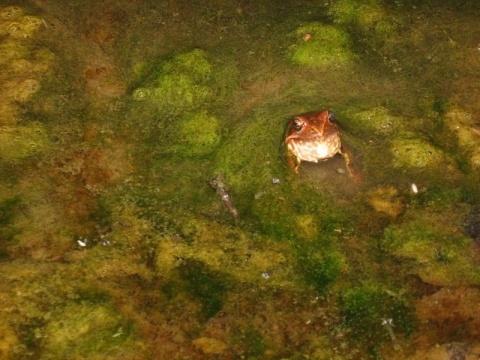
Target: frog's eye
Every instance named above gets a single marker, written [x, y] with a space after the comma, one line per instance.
[298, 124]
[331, 116]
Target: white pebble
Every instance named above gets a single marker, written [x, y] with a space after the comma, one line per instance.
[414, 188]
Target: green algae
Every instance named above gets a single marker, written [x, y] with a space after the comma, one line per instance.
[181, 83]
[440, 256]
[22, 142]
[86, 330]
[377, 120]
[12, 49]
[368, 15]
[248, 159]
[415, 153]
[327, 46]
[321, 270]
[368, 309]
[368, 21]
[205, 285]
[176, 238]
[197, 134]
[8, 212]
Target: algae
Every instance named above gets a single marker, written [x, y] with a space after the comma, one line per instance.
[441, 255]
[159, 242]
[207, 286]
[86, 330]
[327, 46]
[196, 134]
[321, 271]
[415, 153]
[367, 307]
[22, 142]
[376, 120]
[368, 21]
[181, 83]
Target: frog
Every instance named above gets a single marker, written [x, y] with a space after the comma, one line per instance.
[315, 137]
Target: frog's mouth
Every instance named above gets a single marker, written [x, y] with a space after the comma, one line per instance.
[311, 150]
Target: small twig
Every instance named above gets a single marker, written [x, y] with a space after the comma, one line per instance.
[218, 183]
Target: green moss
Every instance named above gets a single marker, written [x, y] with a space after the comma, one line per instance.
[365, 308]
[327, 46]
[197, 134]
[253, 343]
[415, 153]
[84, 330]
[321, 270]
[180, 84]
[376, 120]
[21, 142]
[12, 49]
[440, 255]
[250, 157]
[8, 211]
[193, 63]
[366, 17]
[207, 286]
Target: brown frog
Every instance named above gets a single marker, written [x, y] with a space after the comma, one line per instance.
[314, 137]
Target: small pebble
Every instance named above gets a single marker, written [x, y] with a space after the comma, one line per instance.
[414, 188]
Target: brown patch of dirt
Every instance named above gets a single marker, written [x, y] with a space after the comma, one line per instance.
[449, 314]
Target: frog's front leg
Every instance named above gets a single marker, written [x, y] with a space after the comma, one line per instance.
[293, 162]
[352, 169]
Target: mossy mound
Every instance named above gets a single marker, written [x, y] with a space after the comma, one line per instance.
[11, 49]
[224, 250]
[15, 24]
[321, 46]
[368, 15]
[8, 341]
[463, 125]
[198, 134]
[21, 142]
[376, 120]
[85, 330]
[367, 307]
[415, 153]
[178, 84]
[365, 17]
[251, 156]
[441, 256]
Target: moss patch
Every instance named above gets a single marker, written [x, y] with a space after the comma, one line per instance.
[207, 286]
[327, 45]
[441, 256]
[377, 120]
[415, 153]
[178, 84]
[367, 310]
[21, 142]
[197, 134]
[89, 331]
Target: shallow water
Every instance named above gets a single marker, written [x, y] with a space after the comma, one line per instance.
[114, 118]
